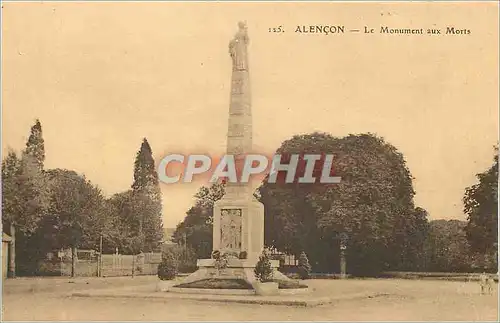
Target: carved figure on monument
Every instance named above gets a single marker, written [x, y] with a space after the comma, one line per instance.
[238, 48]
[231, 229]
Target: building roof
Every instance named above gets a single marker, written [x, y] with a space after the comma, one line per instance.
[168, 233]
[6, 237]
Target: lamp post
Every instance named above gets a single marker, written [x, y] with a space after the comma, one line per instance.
[185, 246]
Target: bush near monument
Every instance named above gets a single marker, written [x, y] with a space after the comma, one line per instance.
[304, 268]
[263, 270]
[167, 269]
[185, 257]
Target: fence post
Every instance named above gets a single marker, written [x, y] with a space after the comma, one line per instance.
[100, 257]
[98, 264]
[133, 265]
[73, 261]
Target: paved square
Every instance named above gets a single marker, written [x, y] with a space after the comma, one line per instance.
[415, 300]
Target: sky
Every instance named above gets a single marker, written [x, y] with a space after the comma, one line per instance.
[102, 76]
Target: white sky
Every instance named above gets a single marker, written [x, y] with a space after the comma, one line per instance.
[101, 76]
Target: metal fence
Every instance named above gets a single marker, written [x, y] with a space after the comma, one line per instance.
[111, 265]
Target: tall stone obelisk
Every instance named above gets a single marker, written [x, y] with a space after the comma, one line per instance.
[239, 133]
[238, 216]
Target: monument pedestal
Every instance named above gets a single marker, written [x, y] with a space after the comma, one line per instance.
[238, 226]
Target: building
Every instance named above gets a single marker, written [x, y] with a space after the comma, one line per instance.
[167, 236]
[6, 239]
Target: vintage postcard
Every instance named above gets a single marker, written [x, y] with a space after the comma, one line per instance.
[249, 161]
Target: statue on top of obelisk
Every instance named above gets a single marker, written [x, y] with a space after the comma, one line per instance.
[238, 48]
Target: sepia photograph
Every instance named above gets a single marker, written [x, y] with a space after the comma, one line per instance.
[250, 161]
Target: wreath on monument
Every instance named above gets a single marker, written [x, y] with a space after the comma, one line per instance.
[221, 260]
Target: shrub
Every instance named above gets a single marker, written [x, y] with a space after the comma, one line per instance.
[263, 270]
[167, 269]
[185, 258]
[304, 268]
[187, 267]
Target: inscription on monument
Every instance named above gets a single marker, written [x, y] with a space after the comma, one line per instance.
[237, 87]
[230, 230]
[236, 129]
[235, 150]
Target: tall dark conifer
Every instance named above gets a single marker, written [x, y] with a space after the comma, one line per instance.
[26, 196]
[35, 146]
[147, 199]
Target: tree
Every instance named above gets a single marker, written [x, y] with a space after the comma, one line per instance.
[409, 237]
[35, 145]
[25, 199]
[373, 204]
[27, 191]
[196, 228]
[126, 224]
[77, 210]
[446, 247]
[11, 207]
[11, 167]
[147, 205]
[481, 207]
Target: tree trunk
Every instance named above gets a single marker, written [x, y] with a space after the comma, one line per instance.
[342, 264]
[73, 261]
[12, 252]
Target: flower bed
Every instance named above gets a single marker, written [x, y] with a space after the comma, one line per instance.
[217, 283]
[285, 284]
[231, 283]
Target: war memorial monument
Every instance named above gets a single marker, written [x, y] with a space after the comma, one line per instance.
[238, 224]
